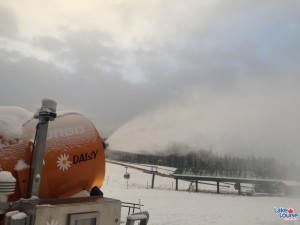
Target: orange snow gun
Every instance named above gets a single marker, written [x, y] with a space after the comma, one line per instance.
[72, 160]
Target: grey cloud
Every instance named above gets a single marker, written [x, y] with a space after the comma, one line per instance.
[236, 50]
[50, 44]
[108, 98]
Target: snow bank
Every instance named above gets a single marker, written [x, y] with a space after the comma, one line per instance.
[82, 193]
[7, 185]
[12, 120]
[65, 113]
[21, 165]
[19, 216]
[6, 176]
[11, 213]
[167, 206]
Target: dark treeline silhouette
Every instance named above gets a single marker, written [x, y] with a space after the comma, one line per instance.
[208, 163]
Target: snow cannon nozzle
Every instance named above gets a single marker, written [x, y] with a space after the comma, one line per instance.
[47, 110]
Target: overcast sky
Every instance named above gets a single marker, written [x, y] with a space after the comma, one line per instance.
[214, 74]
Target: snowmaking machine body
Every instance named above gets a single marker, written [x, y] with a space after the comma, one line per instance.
[72, 162]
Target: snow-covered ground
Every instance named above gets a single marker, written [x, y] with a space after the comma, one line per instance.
[167, 206]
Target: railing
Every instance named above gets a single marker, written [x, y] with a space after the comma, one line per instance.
[132, 206]
[141, 217]
[219, 173]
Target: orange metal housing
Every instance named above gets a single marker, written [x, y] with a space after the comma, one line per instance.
[74, 158]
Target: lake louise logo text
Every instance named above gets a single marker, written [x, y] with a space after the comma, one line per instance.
[286, 213]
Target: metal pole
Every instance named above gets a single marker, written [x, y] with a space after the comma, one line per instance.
[239, 189]
[153, 175]
[45, 114]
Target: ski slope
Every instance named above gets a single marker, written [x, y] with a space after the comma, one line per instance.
[167, 206]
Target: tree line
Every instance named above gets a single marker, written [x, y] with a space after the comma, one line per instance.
[205, 162]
